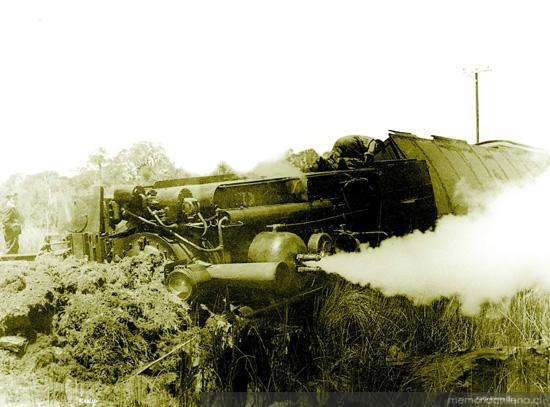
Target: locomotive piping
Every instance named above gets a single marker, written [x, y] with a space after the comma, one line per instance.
[311, 222]
[161, 223]
[184, 240]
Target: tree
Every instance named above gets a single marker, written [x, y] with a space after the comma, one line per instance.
[43, 196]
[98, 158]
[223, 169]
[142, 163]
[38, 197]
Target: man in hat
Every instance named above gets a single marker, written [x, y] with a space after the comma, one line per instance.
[11, 222]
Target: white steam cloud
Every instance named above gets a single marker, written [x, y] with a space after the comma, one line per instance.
[279, 167]
[499, 248]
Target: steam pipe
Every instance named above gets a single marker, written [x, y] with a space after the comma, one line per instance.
[308, 257]
[161, 223]
[188, 252]
[267, 213]
[181, 238]
[303, 269]
[205, 225]
[282, 303]
[220, 235]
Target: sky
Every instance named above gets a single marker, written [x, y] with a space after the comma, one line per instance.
[243, 81]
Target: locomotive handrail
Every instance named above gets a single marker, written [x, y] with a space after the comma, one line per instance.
[310, 222]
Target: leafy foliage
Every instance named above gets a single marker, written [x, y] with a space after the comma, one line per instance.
[43, 197]
[142, 163]
[109, 319]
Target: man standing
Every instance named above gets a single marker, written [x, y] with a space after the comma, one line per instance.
[11, 222]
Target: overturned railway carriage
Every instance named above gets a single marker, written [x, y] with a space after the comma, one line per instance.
[260, 232]
[456, 166]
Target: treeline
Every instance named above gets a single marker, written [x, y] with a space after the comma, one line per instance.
[41, 195]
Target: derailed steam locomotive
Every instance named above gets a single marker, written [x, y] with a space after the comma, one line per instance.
[262, 232]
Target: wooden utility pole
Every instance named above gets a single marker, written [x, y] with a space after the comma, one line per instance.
[476, 72]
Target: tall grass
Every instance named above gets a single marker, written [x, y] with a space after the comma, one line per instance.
[368, 342]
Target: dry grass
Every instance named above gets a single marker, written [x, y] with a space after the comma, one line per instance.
[368, 342]
[522, 320]
[356, 330]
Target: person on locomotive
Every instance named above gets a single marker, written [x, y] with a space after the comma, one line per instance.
[350, 152]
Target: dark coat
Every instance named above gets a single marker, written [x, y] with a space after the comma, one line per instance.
[11, 222]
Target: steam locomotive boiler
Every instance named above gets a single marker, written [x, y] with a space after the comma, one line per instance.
[261, 231]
